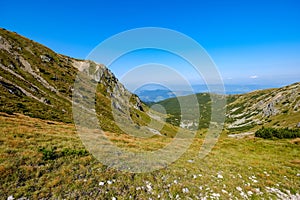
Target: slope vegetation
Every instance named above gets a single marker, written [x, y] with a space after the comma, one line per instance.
[36, 81]
[271, 107]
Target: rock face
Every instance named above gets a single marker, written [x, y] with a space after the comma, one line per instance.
[38, 82]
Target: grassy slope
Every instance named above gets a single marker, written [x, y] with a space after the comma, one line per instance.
[243, 106]
[24, 172]
[285, 100]
[172, 107]
[59, 73]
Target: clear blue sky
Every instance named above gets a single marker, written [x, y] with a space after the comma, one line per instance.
[250, 41]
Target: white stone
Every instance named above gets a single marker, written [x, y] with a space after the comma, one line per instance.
[185, 190]
[101, 183]
[239, 188]
[219, 176]
[10, 197]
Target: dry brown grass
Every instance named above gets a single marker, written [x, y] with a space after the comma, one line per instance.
[296, 161]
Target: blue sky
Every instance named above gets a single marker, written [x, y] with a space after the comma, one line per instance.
[253, 42]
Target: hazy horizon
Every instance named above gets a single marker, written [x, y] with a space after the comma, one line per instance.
[200, 88]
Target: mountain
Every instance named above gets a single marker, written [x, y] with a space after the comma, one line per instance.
[36, 81]
[278, 107]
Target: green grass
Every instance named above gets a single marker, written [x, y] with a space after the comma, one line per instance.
[59, 67]
[43, 159]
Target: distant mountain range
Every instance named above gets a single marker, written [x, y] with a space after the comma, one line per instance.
[155, 93]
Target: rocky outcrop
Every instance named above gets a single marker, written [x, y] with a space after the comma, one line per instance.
[263, 106]
[269, 110]
[40, 79]
[46, 58]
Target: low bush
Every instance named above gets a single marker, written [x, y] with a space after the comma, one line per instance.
[48, 154]
[52, 154]
[269, 133]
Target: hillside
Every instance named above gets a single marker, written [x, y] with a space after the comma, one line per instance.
[39, 83]
[173, 110]
[271, 107]
[36, 81]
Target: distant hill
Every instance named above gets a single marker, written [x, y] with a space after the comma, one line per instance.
[172, 107]
[159, 94]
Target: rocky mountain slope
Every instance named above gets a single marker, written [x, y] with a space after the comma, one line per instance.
[38, 82]
[273, 107]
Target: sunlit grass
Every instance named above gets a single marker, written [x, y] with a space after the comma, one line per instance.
[234, 168]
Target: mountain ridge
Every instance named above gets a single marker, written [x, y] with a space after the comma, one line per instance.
[36, 81]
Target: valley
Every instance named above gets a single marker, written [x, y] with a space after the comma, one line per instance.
[42, 156]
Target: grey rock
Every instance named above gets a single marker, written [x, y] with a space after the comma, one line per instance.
[11, 66]
[46, 58]
[270, 110]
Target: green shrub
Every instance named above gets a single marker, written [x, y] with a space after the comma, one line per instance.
[269, 133]
[77, 152]
[48, 154]
[52, 154]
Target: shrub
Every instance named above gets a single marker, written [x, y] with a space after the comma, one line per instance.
[48, 154]
[77, 152]
[269, 133]
[52, 154]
